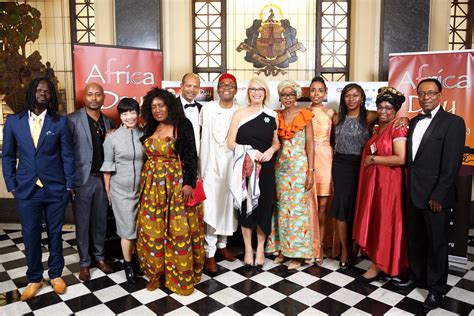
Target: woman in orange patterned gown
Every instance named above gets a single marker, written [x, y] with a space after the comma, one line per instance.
[322, 124]
[292, 234]
[170, 243]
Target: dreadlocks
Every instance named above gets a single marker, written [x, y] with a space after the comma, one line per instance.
[53, 105]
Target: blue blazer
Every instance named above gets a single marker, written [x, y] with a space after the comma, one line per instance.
[52, 161]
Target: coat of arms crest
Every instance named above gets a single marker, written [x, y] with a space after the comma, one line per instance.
[271, 44]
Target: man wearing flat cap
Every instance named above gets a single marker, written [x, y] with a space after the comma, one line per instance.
[215, 160]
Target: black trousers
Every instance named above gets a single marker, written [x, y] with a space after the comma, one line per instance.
[428, 247]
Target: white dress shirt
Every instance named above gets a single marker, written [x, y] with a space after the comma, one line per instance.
[420, 130]
[192, 113]
[32, 117]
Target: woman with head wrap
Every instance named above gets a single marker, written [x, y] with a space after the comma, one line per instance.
[292, 234]
[378, 223]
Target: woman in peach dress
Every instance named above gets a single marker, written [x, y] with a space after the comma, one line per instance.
[322, 124]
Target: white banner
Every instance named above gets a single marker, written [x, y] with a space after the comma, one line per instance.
[333, 97]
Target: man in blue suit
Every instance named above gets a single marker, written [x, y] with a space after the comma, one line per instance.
[42, 142]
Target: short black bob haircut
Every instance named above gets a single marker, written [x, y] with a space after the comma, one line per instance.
[128, 104]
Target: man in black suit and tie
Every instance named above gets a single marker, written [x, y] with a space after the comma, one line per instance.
[190, 86]
[435, 148]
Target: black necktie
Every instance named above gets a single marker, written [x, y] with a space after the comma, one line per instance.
[423, 116]
[189, 105]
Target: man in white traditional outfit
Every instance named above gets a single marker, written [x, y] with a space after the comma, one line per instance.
[215, 164]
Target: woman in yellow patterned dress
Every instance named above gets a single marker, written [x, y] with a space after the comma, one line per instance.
[170, 243]
[322, 124]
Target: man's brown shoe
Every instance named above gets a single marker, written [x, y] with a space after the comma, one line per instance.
[31, 290]
[210, 265]
[225, 252]
[84, 274]
[104, 266]
[59, 286]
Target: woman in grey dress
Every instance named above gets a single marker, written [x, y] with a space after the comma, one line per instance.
[123, 161]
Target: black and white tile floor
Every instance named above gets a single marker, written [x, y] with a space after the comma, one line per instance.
[311, 290]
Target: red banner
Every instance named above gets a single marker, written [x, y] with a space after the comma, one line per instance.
[454, 69]
[122, 72]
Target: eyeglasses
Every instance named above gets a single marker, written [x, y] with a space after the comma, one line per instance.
[386, 108]
[226, 86]
[99, 129]
[430, 94]
[289, 95]
[253, 90]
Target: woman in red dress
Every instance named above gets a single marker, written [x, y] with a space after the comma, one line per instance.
[378, 222]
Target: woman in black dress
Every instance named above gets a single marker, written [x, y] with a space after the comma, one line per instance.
[351, 134]
[256, 125]
[352, 130]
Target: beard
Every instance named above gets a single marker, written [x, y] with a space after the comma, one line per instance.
[40, 105]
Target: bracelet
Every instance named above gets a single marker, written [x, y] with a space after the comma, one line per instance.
[312, 170]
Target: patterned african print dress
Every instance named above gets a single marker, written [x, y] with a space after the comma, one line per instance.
[170, 242]
[292, 232]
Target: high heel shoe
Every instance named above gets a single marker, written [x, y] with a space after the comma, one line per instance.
[294, 264]
[129, 273]
[377, 277]
[279, 259]
[343, 265]
[259, 266]
[136, 265]
[248, 267]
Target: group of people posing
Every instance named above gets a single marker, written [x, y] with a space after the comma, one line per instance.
[279, 173]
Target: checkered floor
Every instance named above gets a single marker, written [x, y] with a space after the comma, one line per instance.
[311, 290]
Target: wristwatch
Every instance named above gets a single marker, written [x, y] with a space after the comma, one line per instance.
[372, 158]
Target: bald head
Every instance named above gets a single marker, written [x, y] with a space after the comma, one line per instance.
[190, 75]
[190, 86]
[95, 85]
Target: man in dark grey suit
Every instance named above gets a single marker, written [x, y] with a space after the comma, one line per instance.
[434, 155]
[88, 127]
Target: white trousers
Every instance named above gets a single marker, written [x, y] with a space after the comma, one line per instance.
[213, 241]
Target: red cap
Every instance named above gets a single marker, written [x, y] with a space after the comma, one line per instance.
[227, 76]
